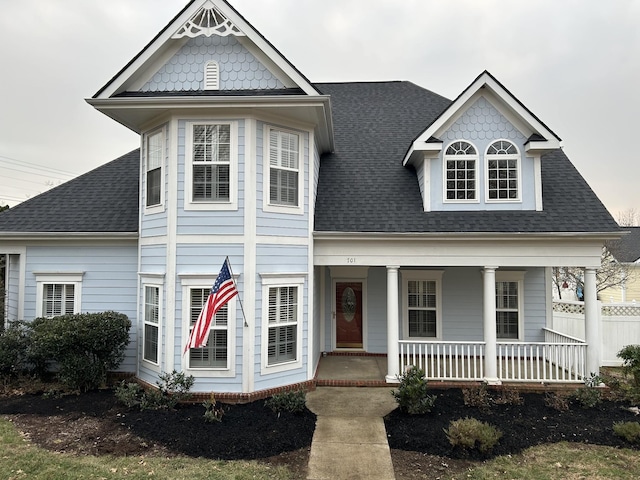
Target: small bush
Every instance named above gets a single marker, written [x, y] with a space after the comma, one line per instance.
[630, 356]
[411, 395]
[291, 401]
[477, 396]
[213, 411]
[588, 397]
[129, 394]
[508, 396]
[556, 401]
[470, 433]
[84, 346]
[630, 431]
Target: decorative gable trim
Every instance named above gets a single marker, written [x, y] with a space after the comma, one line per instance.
[165, 43]
[207, 21]
[545, 138]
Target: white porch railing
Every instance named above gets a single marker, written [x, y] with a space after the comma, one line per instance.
[559, 358]
[444, 360]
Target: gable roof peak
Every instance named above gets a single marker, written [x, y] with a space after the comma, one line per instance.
[541, 138]
[208, 20]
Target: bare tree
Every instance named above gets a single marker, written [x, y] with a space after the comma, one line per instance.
[611, 273]
[629, 218]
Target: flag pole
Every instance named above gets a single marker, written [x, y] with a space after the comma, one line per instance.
[236, 285]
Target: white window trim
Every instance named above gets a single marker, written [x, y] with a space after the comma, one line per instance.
[272, 281]
[446, 157]
[428, 275]
[266, 173]
[206, 281]
[159, 207]
[518, 277]
[67, 278]
[517, 157]
[232, 203]
[157, 282]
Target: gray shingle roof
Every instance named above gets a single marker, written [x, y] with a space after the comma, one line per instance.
[627, 249]
[102, 200]
[363, 186]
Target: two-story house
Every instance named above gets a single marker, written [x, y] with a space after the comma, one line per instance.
[375, 218]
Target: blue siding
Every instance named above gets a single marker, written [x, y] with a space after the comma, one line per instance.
[482, 124]
[535, 305]
[207, 222]
[238, 68]
[280, 224]
[109, 281]
[153, 258]
[462, 311]
[377, 310]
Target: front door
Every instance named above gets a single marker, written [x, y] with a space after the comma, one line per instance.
[349, 314]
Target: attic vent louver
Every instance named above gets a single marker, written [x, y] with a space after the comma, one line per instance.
[211, 76]
[208, 20]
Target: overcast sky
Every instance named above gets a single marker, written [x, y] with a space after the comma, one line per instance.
[574, 63]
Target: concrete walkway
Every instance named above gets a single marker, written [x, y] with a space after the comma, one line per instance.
[350, 441]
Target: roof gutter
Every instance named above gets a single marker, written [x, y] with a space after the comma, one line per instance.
[68, 236]
[464, 236]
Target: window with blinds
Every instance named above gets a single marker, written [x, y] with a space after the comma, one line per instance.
[154, 160]
[211, 162]
[284, 166]
[507, 310]
[58, 299]
[283, 324]
[151, 323]
[422, 307]
[216, 353]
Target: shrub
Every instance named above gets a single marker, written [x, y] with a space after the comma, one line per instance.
[588, 397]
[470, 433]
[14, 343]
[630, 356]
[411, 395]
[556, 401]
[477, 396]
[129, 393]
[84, 346]
[508, 396]
[213, 411]
[630, 431]
[291, 401]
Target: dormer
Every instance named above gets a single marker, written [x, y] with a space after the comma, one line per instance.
[482, 153]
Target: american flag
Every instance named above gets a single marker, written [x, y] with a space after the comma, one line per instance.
[224, 289]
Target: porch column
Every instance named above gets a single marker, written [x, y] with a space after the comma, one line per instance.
[393, 337]
[489, 316]
[592, 321]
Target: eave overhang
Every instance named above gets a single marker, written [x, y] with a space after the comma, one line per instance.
[137, 113]
[467, 236]
[61, 236]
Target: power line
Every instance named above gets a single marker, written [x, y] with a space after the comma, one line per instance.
[27, 164]
[49, 174]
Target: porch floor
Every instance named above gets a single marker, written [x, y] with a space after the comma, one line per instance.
[352, 371]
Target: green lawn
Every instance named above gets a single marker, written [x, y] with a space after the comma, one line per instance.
[20, 459]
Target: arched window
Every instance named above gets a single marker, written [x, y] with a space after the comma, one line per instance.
[460, 172]
[503, 171]
[211, 76]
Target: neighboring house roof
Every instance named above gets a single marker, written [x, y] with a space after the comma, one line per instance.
[627, 249]
[363, 186]
[104, 200]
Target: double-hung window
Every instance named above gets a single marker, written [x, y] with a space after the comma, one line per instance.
[283, 171]
[460, 172]
[422, 303]
[215, 355]
[154, 158]
[58, 294]
[509, 292]
[503, 172]
[151, 332]
[282, 322]
[211, 165]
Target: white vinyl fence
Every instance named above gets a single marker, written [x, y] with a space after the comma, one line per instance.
[620, 326]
